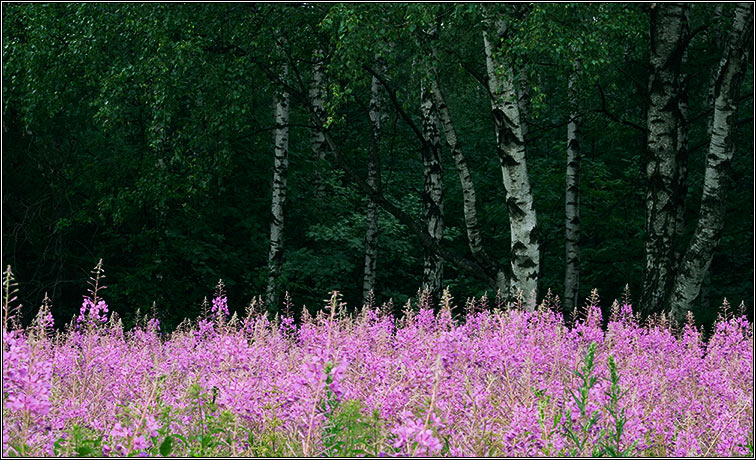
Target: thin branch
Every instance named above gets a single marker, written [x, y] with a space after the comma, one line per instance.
[614, 117]
[392, 95]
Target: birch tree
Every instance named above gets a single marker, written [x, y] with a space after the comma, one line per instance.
[731, 70]
[280, 170]
[469, 197]
[668, 40]
[317, 139]
[525, 257]
[572, 197]
[433, 191]
[377, 118]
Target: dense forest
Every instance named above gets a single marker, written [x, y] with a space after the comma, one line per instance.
[376, 149]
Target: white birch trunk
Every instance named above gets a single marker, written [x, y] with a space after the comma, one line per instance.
[668, 27]
[317, 138]
[525, 257]
[469, 200]
[572, 198]
[433, 192]
[373, 180]
[280, 169]
[697, 258]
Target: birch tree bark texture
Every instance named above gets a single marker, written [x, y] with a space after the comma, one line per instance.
[525, 256]
[572, 197]
[317, 138]
[667, 43]
[731, 71]
[433, 191]
[280, 170]
[469, 198]
[377, 118]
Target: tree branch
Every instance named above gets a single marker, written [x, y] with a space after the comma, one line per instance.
[614, 117]
[392, 95]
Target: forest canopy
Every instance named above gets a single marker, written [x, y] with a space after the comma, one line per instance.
[375, 149]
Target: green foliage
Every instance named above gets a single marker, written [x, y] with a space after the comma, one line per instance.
[79, 442]
[210, 435]
[583, 438]
[550, 426]
[140, 134]
[348, 432]
[268, 443]
[581, 435]
[612, 446]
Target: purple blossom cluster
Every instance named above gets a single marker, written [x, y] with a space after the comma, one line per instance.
[495, 383]
[414, 437]
[91, 313]
[220, 307]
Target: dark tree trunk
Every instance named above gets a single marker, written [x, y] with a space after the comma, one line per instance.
[668, 40]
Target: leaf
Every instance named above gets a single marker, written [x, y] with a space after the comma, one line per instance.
[166, 446]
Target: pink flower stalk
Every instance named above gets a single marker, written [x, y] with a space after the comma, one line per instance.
[220, 307]
[413, 437]
[502, 376]
[91, 313]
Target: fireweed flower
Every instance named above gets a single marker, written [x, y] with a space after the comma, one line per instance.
[153, 324]
[337, 376]
[91, 313]
[685, 393]
[413, 437]
[26, 385]
[220, 307]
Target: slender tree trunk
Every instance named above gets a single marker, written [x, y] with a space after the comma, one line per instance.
[718, 36]
[280, 169]
[317, 138]
[572, 198]
[667, 45]
[469, 207]
[525, 257]
[416, 226]
[373, 179]
[433, 192]
[697, 258]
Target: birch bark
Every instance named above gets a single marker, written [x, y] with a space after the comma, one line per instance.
[317, 138]
[469, 200]
[525, 257]
[572, 197]
[280, 169]
[377, 117]
[433, 192]
[731, 71]
[668, 27]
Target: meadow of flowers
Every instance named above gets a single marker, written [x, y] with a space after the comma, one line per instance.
[497, 381]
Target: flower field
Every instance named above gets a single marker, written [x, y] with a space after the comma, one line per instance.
[494, 382]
